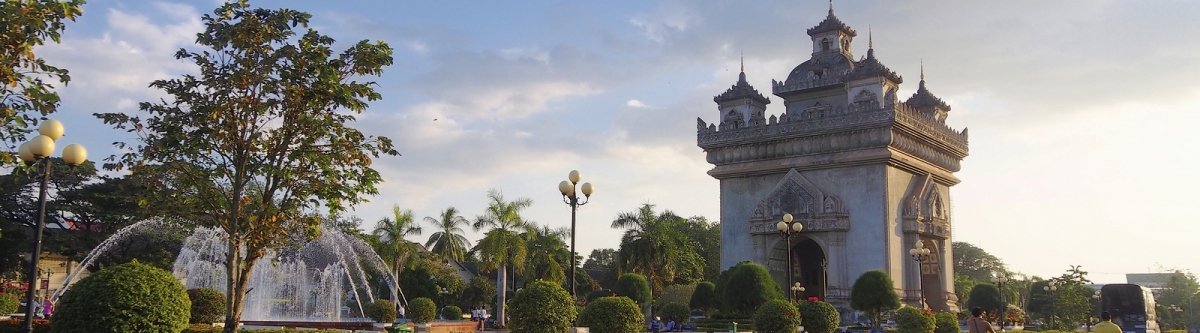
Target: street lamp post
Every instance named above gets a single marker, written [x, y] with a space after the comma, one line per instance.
[918, 253]
[1096, 297]
[787, 228]
[797, 290]
[1000, 280]
[46, 291]
[37, 151]
[567, 188]
[1051, 288]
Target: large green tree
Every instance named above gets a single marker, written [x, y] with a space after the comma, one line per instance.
[706, 236]
[656, 247]
[260, 138]
[26, 80]
[873, 293]
[390, 233]
[18, 209]
[547, 254]
[448, 241]
[975, 263]
[1176, 298]
[502, 245]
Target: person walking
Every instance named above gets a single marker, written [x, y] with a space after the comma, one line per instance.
[47, 308]
[976, 324]
[1106, 325]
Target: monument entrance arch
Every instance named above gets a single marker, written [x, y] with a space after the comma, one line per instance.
[868, 175]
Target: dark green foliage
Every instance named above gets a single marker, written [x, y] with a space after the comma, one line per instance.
[9, 303]
[451, 312]
[819, 317]
[381, 311]
[600, 293]
[421, 310]
[132, 297]
[776, 316]
[744, 287]
[986, 297]
[612, 315]
[211, 329]
[208, 305]
[634, 286]
[873, 294]
[705, 296]
[913, 320]
[541, 307]
[945, 322]
[676, 311]
[480, 291]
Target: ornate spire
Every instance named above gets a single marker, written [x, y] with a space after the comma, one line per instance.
[832, 23]
[870, 36]
[741, 89]
[922, 84]
[871, 67]
[744, 59]
[923, 98]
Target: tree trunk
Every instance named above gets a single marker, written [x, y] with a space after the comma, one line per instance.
[501, 293]
[231, 318]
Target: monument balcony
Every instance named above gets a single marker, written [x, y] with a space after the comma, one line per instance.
[815, 81]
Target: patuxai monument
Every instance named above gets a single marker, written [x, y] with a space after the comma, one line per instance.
[867, 175]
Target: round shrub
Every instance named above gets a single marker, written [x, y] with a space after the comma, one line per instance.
[873, 293]
[633, 286]
[705, 296]
[541, 307]
[612, 315]
[776, 316]
[600, 293]
[131, 297]
[381, 311]
[421, 310]
[986, 297]
[913, 320]
[208, 305]
[746, 286]
[9, 303]
[451, 312]
[819, 317]
[945, 322]
[676, 311]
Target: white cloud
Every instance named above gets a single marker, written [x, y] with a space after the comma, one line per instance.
[633, 103]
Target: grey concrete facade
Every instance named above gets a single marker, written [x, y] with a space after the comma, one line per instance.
[868, 175]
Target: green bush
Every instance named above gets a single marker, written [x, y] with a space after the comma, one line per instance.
[776, 316]
[744, 287]
[819, 317]
[208, 305]
[873, 293]
[541, 307]
[612, 315]
[986, 297]
[600, 293]
[913, 320]
[381, 311]
[676, 311]
[633, 286]
[705, 296]
[131, 297]
[421, 310]
[945, 322]
[9, 304]
[451, 312]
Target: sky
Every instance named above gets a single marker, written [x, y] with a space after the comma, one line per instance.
[1081, 113]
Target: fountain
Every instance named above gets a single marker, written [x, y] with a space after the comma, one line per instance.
[315, 281]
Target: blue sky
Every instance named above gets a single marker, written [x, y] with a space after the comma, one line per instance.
[1080, 112]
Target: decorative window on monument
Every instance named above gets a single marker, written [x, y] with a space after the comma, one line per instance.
[929, 264]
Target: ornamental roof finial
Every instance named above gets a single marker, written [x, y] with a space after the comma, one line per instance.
[870, 38]
[830, 7]
[922, 84]
[743, 61]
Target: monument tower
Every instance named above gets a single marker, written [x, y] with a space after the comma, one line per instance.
[868, 175]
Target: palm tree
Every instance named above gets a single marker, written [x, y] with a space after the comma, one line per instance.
[449, 243]
[547, 254]
[502, 245]
[391, 233]
[654, 245]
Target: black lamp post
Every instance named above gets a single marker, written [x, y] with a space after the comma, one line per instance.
[787, 228]
[37, 151]
[797, 290]
[1051, 288]
[918, 253]
[1000, 280]
[567, 188]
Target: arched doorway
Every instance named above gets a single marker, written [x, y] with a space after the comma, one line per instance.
[808, 266]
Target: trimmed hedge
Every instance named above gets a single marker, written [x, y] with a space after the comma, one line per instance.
[612, 315]
[676, 311]
[208, 305]
[704, 297]
[421, 310]
[776, 316]
[17, 325]
[131, 297]
[541, 307]
[634, 286]
[913, 320]
[819, 317]
[451, 312]
[381, 311]
[9, 304]
[744, 287]
[945, 322]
